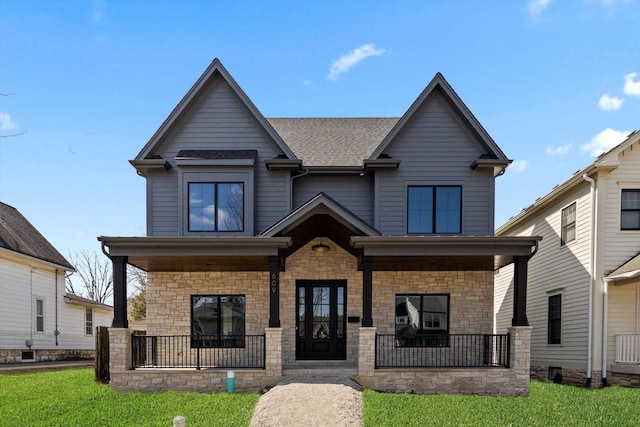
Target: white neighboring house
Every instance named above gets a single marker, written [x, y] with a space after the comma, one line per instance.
[583, 298]
[38, 320]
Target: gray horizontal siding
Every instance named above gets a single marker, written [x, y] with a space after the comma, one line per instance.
[217, 120]
[435, 149]
[353, 192]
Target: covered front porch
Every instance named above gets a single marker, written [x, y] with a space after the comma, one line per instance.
[323, 288]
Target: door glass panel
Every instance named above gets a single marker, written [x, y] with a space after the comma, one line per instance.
[321, 326]
[301, 313]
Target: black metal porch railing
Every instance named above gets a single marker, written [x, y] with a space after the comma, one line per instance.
[198, 351]
[442, 351]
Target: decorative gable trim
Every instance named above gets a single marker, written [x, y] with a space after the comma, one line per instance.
[321, 203]
[439, 83]
[215, 68]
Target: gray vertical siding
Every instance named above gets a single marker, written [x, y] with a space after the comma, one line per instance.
[217, 120]
[435, 149]
[353, 192]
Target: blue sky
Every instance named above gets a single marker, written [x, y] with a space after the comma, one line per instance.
[89, 82]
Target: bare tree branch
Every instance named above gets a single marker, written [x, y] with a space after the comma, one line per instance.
[95, 273]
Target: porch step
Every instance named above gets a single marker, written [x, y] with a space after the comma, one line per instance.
[320, 369]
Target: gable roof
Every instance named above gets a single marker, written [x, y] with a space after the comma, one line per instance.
[70, 298]
[18, 235]
[605, 161]
[439, 83]
[215, 68]
[320, 203]
[333, 141]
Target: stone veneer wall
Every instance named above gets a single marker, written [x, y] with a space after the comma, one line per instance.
[512, 381]
[576, 377]
[51, 355]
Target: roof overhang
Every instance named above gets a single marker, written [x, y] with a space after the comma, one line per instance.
[444, 252]
[84, 302]
[196, 253]
[497, 165]
[629, 272]
[143, 166]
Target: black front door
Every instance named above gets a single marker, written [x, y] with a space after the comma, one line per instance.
[321, 321]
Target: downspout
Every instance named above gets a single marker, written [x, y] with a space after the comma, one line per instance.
[56, 332]
[605, 313]
[592, 238]
[306, 172]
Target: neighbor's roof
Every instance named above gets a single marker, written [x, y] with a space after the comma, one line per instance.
[78, 300]
[605, 161]
[333, 141]
[628, 270]
[18, 235]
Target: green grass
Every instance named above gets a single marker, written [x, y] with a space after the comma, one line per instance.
[547, 405]
[70, 397]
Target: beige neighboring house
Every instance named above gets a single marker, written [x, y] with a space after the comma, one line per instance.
[39, 321]
[583, 298]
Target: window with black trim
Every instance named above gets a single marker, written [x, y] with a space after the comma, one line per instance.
[217, 320]
[630, 210]
[434, 209]
[568, 224]
[216, 206]
[554, 328]
[88, 321]
[422, 320]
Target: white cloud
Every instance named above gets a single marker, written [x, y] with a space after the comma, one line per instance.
[564, 149]
[536, 7]
[347, 61]
[518, 166]
[5, 122]
[631, 87]
[604, 141]
[98, 14]
[610, 103]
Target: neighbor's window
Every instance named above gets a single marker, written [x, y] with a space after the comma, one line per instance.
[568, 224]
[88, 321]
[216, 206]
[434, 210]
[554, 328]
[39, 315]
[217, 320]
[630, 210]
[422, 320]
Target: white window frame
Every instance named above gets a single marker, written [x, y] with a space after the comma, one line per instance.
[39, 315]
[88, 324]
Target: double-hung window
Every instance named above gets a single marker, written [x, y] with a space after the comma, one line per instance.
[216, 206]
[434, 209]
[88, 321]
[554, 327]
[39, 315]
[422, 320]
[568, 224]
[217, 320]
[630, 210]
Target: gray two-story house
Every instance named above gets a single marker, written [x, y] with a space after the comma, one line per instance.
[363, 246]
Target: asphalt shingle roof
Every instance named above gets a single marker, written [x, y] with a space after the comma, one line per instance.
[333, 141]
[18, 235]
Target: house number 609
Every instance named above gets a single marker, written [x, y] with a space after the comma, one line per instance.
[274, 283]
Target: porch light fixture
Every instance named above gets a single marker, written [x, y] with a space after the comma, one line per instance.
[321, 247]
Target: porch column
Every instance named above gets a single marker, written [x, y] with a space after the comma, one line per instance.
[520, 291]
[367, 291]
[119, 292]
[274, 291]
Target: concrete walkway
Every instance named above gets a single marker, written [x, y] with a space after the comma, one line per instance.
[310, 401]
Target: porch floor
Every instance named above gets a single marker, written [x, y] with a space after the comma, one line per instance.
[320, 368]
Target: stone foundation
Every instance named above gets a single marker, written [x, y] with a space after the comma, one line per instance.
[624, 380]
[575, 377]
[15, 356]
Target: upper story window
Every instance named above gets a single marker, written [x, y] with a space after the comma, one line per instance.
[630, 210]
[216, 206]
[568, 224]
[434, 210]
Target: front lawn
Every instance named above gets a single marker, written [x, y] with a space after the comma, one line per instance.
[547, 405]
[70, 397]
